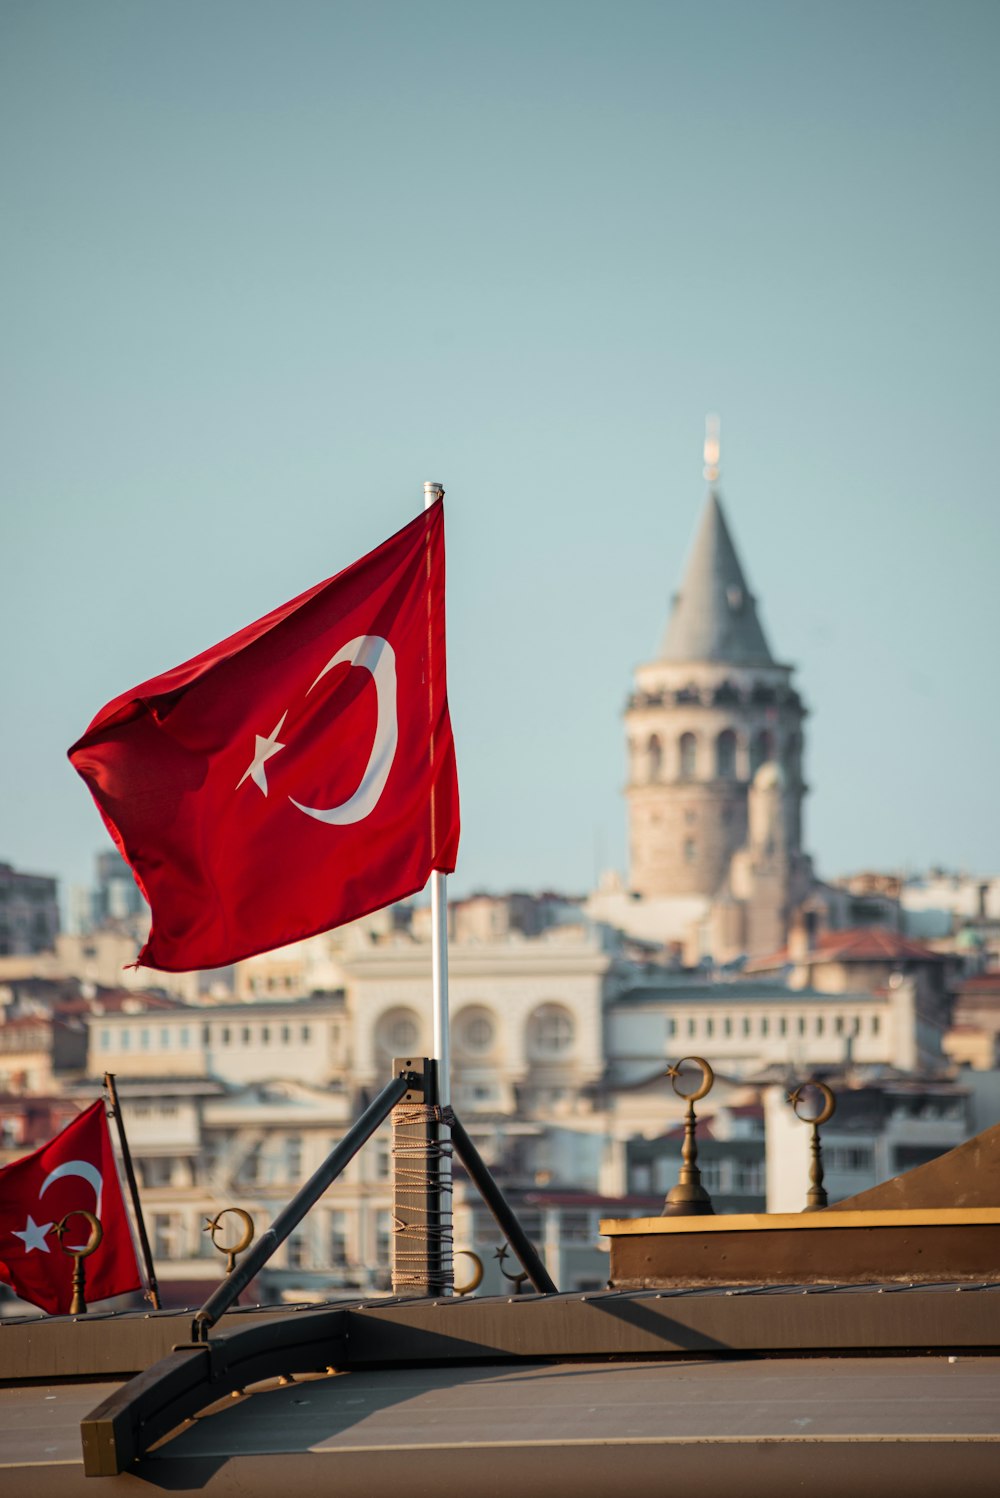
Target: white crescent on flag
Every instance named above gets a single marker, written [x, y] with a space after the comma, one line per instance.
[376, 655]
[86, 1172]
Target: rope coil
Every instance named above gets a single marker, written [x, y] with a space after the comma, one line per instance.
[425, 1231]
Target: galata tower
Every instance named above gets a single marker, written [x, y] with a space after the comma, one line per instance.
[702, 720]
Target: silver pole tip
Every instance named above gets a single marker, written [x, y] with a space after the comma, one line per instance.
[432, 488]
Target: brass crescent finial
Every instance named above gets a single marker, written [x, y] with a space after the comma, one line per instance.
[477, 1272]
[78, 1303]
[212, 1225]
[828, 1109]
[93, 1242]
[517, 1280]
[707, 1078]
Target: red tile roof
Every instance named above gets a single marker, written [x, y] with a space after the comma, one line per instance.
[981, 983]
[857, 944]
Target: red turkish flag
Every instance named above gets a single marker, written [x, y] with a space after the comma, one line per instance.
[75, 1169]
[296, 776]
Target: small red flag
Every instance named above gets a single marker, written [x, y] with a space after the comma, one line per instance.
[296, 776]
[74, 1170]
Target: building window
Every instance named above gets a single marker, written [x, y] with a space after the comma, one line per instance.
[654, 757]
[298, 1250]
[126, 1039]
[206, 1035]
[820, 1026]
[226, 1035]
[725, 755]
[306, 1034]
[710, 1028]
[383, 1157]
[144, 1039]
[851, 1157]
[164, 1038]
[575, 1227]
[838, 1024]
[727, 1025]
[711, 1175]
[802, 1024]
[690, 850]
[783, 1025]
[166, 1236]
[245, 1035]
[692, 1027]
[641, 1178]
[105, 1040]
[746, 1024]
[875, 1024]
[671, 1027]
[765, 1024]
[551, 1032]
[748, 1177]
[338, 1238]
[286, 1034]
[293, 1157]
[688, 759]
[475, 1031]
[383, 1237]
[185, 1037]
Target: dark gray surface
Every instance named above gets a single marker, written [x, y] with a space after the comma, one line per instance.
[584, 1403]
[852, 1425]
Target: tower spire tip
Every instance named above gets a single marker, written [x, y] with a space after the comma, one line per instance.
[713, 429]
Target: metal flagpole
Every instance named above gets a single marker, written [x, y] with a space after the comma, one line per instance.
[441, 1047]
[133, 1186]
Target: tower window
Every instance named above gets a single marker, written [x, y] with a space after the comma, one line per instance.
[725, 755]
[654, 751]
[761, 750]
[688, 756]
[690, 850]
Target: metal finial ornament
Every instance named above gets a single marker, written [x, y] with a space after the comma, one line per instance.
[517, 1280]
[816, 1197]
[79, 1252]
[713, 448]
[212, 1225]
[477, 1272]
[689, 1197]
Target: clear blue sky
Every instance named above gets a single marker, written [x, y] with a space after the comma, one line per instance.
[267, 266]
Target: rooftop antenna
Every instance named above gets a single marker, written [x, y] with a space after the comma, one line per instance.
[713, 430]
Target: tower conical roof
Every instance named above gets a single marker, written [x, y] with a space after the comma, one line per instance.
[714, 617]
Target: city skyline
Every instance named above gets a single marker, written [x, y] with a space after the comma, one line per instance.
[265, 277]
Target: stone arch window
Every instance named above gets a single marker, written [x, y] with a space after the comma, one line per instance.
[690, 850]
[688, 752]
[761, 750]
[726, 694]
[399, 1032]
[725, 755]
[654, 756]
[791, 756]
[551, 1032]
[474, 1031]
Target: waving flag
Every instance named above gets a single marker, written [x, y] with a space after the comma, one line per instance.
[296, 776]
[74, 1170]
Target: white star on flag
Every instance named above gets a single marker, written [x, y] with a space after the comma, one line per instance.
[263, 750]
[33, 1235]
